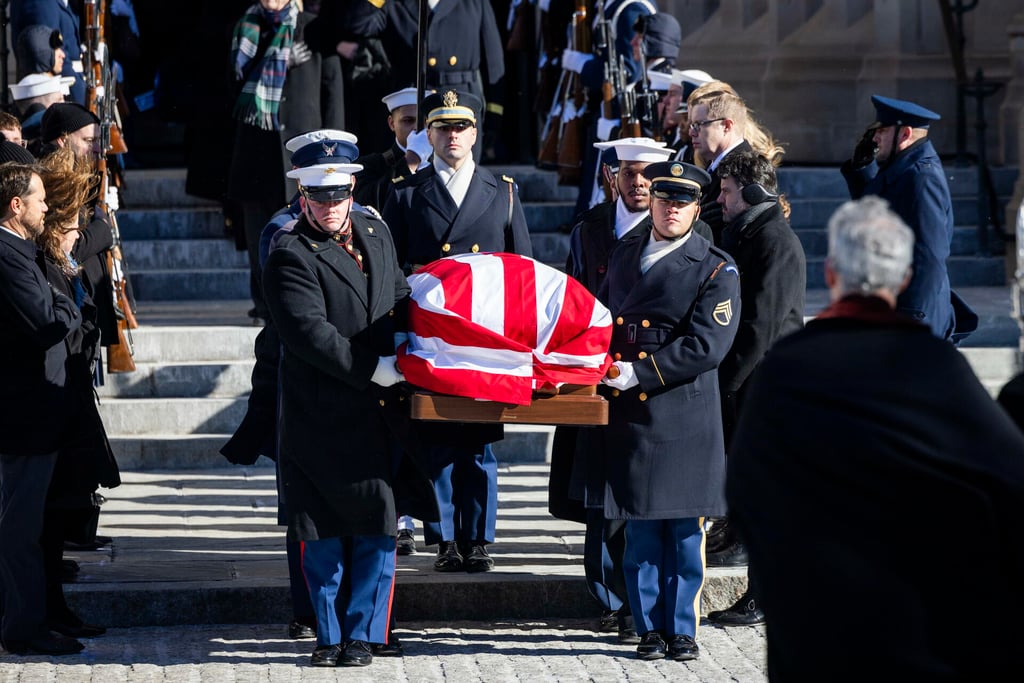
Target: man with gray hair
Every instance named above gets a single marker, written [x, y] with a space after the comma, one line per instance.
[872, 436]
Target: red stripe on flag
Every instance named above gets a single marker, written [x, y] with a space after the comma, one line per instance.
[520, 301]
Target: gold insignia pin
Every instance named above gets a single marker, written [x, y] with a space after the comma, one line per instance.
[723, 313]
[329, 170]
[450, 99]
[676, 170]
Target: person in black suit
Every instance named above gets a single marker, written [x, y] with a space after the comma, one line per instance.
[455, 207]
[35, 322]
[675, 299]
[336, 297]
[868, 434]
[380, 168]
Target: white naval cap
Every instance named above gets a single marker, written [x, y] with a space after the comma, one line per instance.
[660, 80]
[637, 149]
[325, 175]
[694, 77]
[313, 136]
[400, 98]
[35, 85]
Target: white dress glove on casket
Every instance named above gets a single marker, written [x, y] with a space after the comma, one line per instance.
[627, 377]
[387, 372]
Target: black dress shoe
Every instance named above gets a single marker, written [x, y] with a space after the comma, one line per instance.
[76, 630]
[651, 646]
[392, 648]
[733, 556]
[720, 536]
[683, 648]
[744, 612]
[356, 653]
[477, 560]
[405, 544]
[51, 644]
[609, 622]
[298, 630]
[326, 656]
[627, 635]
[448, 557]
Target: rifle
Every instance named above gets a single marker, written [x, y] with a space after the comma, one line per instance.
[421, 60]
[605, 45]
[630, 127]
[647, 101]
[570, 144]
[101, 100]
[547, 158]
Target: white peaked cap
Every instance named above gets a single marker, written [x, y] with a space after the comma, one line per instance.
[637, 149]
[695, 77]
[660, 80]
[300, 141]
[35, 85]
[325, 175]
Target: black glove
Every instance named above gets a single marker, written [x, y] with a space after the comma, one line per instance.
[864, 152]
[300, 54]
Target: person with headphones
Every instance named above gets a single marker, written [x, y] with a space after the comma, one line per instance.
[773, 279]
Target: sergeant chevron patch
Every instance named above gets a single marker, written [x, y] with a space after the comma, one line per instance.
[723, 313]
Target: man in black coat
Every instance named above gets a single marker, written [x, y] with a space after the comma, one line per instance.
[35, 320]
[336, 297]
[454, 206]
[675, 299]
[773, 283]
[380, 168]
[871, 436]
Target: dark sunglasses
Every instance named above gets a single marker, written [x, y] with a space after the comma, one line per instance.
[326, 194]
[448, 126]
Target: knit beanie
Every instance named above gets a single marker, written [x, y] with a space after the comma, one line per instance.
[64, 117]
[12, 151]
[34, 50]
[662, 36]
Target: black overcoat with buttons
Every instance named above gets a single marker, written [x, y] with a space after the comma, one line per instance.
[675, 323]
[336, 456]
[427, 224]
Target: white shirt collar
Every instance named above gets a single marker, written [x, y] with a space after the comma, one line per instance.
[659, 249]
[6, 229]
[718, 159]
[626, 220]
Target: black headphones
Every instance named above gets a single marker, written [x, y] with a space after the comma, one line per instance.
[755, 193]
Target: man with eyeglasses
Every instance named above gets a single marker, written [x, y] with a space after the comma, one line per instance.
[451, 207]
[895, 161]
[336, 297]
[716, 124]
[675, 300]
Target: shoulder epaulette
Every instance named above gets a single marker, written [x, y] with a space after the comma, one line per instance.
[508, 179]
[372, 211]
[377, 3]
[398, 179]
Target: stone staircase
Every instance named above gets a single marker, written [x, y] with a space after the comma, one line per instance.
[194, 346]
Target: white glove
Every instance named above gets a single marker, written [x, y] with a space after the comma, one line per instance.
[387, 372]
[605, 128]
[626, 379]
[573, 60]
[111, 199]
[418, 144]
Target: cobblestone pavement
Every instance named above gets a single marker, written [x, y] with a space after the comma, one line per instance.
[567, 650]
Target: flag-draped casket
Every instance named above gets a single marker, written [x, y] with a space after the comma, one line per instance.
[502, 327]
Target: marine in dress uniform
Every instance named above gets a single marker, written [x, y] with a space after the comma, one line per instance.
[336, 297]
[590, 243]
[906, 172]
[675, 302]
[455, 207]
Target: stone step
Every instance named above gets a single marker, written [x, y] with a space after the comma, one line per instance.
[145, 416]
[158, 187]
[192, 343]
[185, 254]
[964, 271]
[204, 284]
[813, 213]
[196, 379]
[815, 241]
[176, 451]
[169, 222]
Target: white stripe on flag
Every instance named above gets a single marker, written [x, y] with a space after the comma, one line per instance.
[550, 299]
[489, 293]
[441, 354]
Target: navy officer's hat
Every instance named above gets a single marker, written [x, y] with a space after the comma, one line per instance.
[892, 112]
[452, 106]
[676, 181]
[327, 151]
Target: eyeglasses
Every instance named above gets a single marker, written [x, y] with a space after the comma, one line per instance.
[447, 127]
[697, 125]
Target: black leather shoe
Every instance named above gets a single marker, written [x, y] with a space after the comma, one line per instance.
[52, 644]
[448, 557]
[609, 621]
[356, 653]
[733, 556]
[744, 612]
[477, 560]
[76, 630]
[326, 656]
[683, 648]
[651, 646]
[392, 648]
[297, 630]
[627, 635]
[720, 536]
[405, 544]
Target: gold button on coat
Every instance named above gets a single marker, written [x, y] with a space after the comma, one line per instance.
[619, 320]
[453, 60]
[475, 248]
[642, 355]
[432, 61]
[645, 323]
[446, 247]
[615, 392]
[618, 356]
[642, 396]
[381, 403]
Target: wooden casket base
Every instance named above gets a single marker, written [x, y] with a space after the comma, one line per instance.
[572, 405]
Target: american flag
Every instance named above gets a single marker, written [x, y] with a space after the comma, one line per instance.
[498, 326]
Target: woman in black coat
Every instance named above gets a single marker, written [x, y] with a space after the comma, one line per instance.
[84, 458]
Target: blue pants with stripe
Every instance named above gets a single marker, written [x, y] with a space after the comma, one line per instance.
[466, 486]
